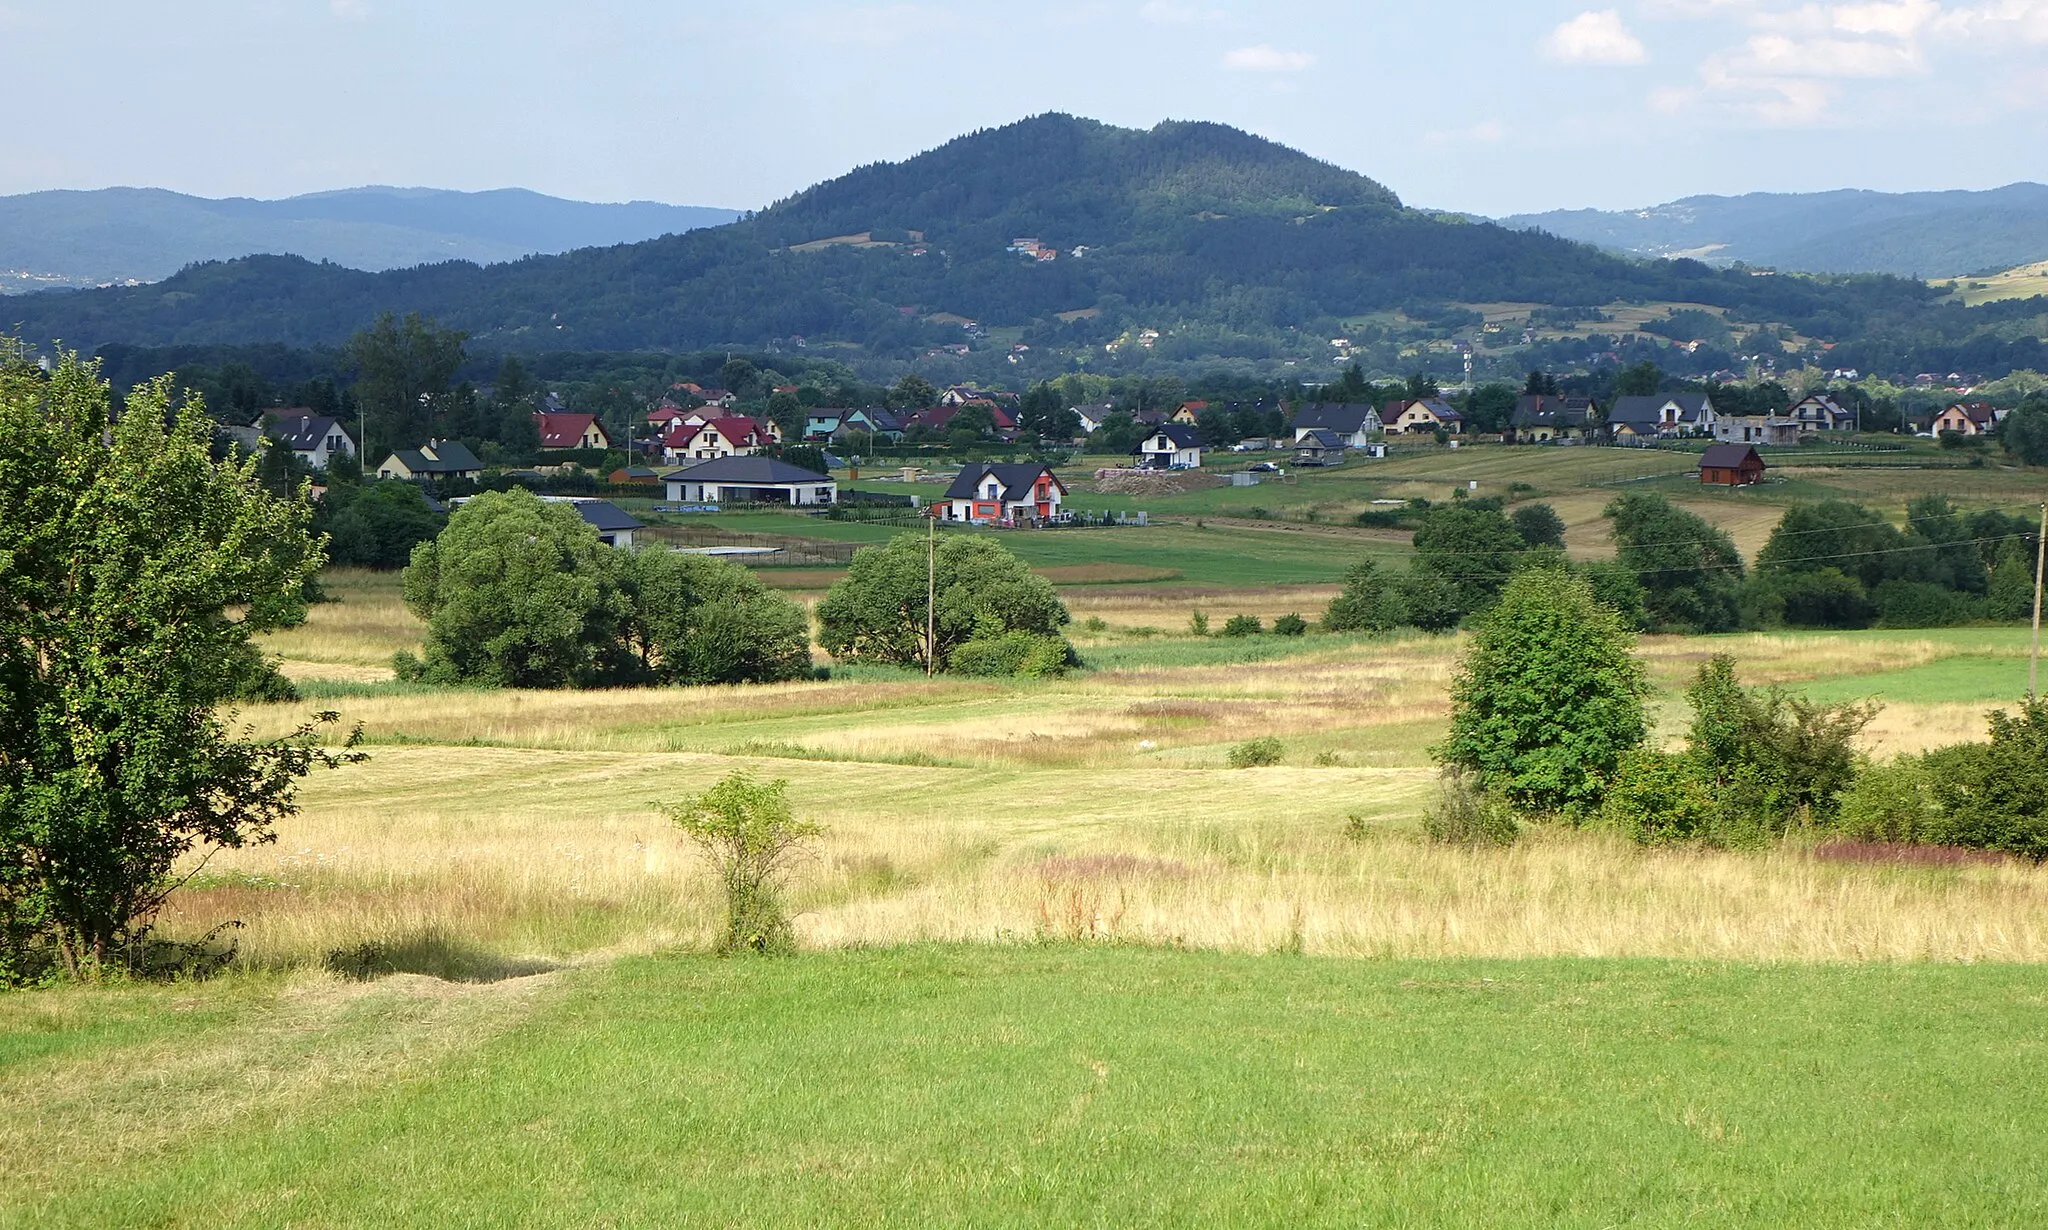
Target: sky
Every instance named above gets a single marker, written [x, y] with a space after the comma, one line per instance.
[1488, 106]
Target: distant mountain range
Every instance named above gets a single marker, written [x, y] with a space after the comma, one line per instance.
[1912, 234]
[122, 235]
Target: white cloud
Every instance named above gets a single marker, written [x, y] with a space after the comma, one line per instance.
[1485, 132]
[883, 25]
[1267, 59]
[349, 10]
[1166, 13]
[1594, 37]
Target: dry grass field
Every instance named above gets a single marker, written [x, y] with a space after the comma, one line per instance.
[508, 831]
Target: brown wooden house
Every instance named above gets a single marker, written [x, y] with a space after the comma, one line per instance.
[1731, 465]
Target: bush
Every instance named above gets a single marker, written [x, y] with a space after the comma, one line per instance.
[1466, 814]
[1892, 801]
[1539, 525]
[878, 612]
[1256, 753]
[1690, 572]
[1290, 624]
[1369, 602]
[1658, 798]
[1024, 654]
[1431, 602]
[1921, 604]
[1243, 625]
[1994, 796]
[1198, 624]
[747, 830]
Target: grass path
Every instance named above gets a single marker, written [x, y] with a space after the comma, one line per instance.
[1111, 1086]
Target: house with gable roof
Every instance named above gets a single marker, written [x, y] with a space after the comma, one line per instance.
[1820, 412]
[1170, 447]
[1541, 418]
[1649, 416]
[1974, 419]
[436, 459]
[317, 438]
[561, 431]
[1356, 424]
[1426, 416]
[1004, 493]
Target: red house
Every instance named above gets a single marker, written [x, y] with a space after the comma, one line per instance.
[1731, 465]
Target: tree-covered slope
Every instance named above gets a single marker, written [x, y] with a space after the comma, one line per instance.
[1192, 225]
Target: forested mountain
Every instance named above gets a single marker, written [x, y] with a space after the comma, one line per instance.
[71, 239]
[1931, 234]
[1224, 245]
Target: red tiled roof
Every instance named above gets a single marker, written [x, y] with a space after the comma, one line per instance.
[563, 430]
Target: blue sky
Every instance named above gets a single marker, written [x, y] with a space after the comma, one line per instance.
[1482, 105]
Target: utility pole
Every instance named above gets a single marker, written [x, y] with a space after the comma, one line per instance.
[931, 598]
[2040, 560]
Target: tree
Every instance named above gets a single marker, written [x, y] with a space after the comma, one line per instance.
[807, 456]
[1549, 695]
[786, 412]
[377, 525]
[1369, 602]
[1472, 545]
[1539, 525]
[749, 832]
[1117, 435]
[912, 392]
[739, 376]
[1540, 383]
[2024, 434]
[1422, 386]
[516, 593]
[135, 571]
[1043, 413]
[1641, 380]
[402, 369]
[693, 620]
[1490, 408]
[1690, 572]
[877, 613]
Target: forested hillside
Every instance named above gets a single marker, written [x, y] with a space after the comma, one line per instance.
[1230, 246]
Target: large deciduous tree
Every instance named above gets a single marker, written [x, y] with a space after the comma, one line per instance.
[878, 612]
[1690, 572]
[403, 372]
[134, 572]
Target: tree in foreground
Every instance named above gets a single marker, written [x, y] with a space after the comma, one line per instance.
[135, 572]
[749, 832]
[986, 597]
[1549, 695]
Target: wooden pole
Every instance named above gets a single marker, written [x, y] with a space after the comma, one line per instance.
[2040, 561]
[931, 598]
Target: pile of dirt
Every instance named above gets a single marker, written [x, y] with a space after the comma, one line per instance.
[1153, 482]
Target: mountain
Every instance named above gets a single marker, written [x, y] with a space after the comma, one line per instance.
[119, 235]
[1235, 247]
[1912, 234]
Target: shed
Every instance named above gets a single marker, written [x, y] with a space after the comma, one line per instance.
[1731, 465]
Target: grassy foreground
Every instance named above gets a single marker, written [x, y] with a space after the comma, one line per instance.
[1062, 1085]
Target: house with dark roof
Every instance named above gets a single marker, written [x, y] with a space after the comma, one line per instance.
[1093, 416]
[1973, 419]
[1427, 416]
[1649, 416]
[434, 459]
[1821, 412]
[317, 438]
[613, 524]
[1170, 447]
[827, 424]
[560, 432]
[749, 480]
[998, 493]
[1357, 424]
[1541, 418]
[1731, 465]
[1318, 445]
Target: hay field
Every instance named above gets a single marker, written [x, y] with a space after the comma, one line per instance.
[524, 828]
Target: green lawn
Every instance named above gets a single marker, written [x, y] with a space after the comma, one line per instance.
[1113, 1086]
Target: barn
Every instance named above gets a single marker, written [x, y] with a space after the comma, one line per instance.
[1731, 465]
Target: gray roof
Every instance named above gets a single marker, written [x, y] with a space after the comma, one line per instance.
[1650, 409]
[303, 433]
[1017, 479]
[1347, 417]
[1323, 437]
[1550, 410]
[1182, 436]
[605, 515]
[450, 457]
[757, 471]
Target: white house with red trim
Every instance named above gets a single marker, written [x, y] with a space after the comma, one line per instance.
[1000, 493]
[710, 439]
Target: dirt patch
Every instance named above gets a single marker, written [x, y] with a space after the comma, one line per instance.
[1153, 482]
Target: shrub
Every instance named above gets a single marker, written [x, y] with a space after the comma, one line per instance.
[1774, 756]
[1920, 604]
[1290, 624]
[747, 830]
[1243, 625]
[1892, 801]
[1690, 572]
[1256, 753]
[1369, 602]
[1023, 654]
[1472, 545]
[1658, 798]
[1431, 602]
[1548, 697]
[1198, 624]
[691, 620]
[1539, 525]
[1466, 814]
[1994, 796]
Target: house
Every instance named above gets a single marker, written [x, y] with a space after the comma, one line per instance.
[737, 436]
[1731, 465]
[990, 493]
[1357, 424]
[1770, 430]
[1974, 419]
[1318, 445]
[1541, 418]
[827, 424]
[434, 459]
[1426, 416]
[721, 398]
[1820, 412]
[1170, 447]
[614, 525]
[749, 480]
[316, 438]
[1659, 414]
[961, 394]
[1190, 413]
[561, 431]
[934, 419]
[1093, 417]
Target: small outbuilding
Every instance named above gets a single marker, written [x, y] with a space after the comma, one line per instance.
[1731, 465]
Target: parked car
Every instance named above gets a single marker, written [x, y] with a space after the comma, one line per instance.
[1263, 467]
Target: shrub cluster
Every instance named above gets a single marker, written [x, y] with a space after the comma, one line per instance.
[1985, 796]
[992, 614]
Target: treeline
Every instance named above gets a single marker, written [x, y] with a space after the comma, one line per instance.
[1831, 564]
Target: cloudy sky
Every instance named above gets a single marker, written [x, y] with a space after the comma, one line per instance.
[1493, 106]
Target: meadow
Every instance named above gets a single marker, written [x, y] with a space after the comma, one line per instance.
[1061, 963]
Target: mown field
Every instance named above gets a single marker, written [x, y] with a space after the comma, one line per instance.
[1061, 963]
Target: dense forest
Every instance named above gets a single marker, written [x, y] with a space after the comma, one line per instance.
[1237, 247]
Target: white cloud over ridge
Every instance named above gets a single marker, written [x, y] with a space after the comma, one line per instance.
[1594, 37]
[1266, 58]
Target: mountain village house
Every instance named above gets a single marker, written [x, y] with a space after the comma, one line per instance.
[560, 432]
[1820, 412]
[1424, 417]
[736, 436]
[1354, 424]
[1644, 417]
[1547, 418]
[1974, 419]
[838, 424]
[1731, 465]
[991, 493]
[316, 438]
[1170, 447]
[436, 459]
[750, 480]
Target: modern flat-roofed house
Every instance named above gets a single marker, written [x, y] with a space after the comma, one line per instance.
[562, 432]
[1770, 430]
[1661, 414]
[749, 480]
[1170, 447]
[1731, 465]
[1357, 424]
[317, 438]
[1541, 418]
[434, 459]
[1820, 412]
[993, 493]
